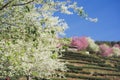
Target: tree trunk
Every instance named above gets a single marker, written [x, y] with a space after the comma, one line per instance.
[7, 78]
[28, 77]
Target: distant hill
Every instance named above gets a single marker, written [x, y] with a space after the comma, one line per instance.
[110, 43]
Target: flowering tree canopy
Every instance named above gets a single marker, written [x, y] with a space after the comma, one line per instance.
[106, 50]
[80, 43]
[28, 36]
[116, 45]
[92, 45]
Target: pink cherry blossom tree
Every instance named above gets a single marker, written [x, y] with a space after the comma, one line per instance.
[80, 43]
[116, 45]
[105, 50]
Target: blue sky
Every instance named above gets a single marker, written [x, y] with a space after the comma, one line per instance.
[106, 29]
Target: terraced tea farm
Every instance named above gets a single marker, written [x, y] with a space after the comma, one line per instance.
[91, 67]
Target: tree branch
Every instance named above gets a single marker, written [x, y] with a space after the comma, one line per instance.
[23, 3]
[4, 6]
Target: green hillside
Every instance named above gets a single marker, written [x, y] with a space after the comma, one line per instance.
[91, 67]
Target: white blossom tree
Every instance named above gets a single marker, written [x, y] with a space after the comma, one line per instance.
[92, 46]
[28, 36]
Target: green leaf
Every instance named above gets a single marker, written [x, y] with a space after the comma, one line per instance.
[54, 56]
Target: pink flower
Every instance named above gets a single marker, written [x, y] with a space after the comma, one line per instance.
[103, 47]
[116, 45]
[80, 43]
[106, 50]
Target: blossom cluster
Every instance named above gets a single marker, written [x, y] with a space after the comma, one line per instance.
[80, 43]
[105, 50]
[88, 44]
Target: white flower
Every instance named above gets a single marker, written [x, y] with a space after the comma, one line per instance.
[116, 51]
[92, 45]
[87, 52]
[64, 9]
